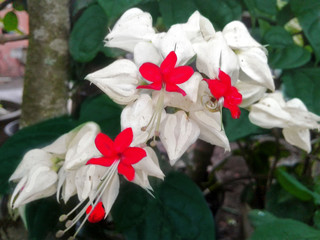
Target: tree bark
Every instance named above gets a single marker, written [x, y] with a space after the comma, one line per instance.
[45, 92]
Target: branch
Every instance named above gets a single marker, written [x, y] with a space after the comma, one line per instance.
[8, 38]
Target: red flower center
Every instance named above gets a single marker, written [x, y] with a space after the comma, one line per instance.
[167, 75]
[118, 150]
[222, 88]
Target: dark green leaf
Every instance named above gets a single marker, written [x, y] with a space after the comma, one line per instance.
[10, 21]
[285, 229]
[172, 11]
[227, 10]
[308, 13]
[261, 7]
[289, 57]
[19, 5]
[178, 211]
[277, 37]
[258, 217]
[12, 151]
[114, 8]
[103, 111]
[80, 4]
[316, 219]
[284, 205]
[296, 188]
[239, 128]
[87, 35]
[304, 84]
[42, 217]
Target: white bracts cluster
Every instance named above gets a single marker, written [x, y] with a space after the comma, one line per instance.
[272, 111]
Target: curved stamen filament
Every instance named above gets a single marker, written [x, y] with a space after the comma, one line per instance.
[96, 197]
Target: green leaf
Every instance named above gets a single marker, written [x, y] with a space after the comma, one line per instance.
[316, 219]
[41, 134]
[219, 12]
[10, 21]
[178, 211]
[284, 54]
[258, 217]
[308, 13]
[284, 229]
[261, 7]
[239, 128]
[19, 5]
[103, 111]
[42, 217]
[172, 11]
[79, 5]
[296, 188]
[114, 8]
[87, 35]
[289, 57]
[284, 205]
[303, 84]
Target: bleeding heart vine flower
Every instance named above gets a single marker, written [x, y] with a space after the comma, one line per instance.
[96, 214]
[118, 152]
[166, 76]
[222, 90]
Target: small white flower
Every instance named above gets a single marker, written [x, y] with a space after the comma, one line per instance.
[253, 61]
[293, 116]
[119, 80]
[133, 27]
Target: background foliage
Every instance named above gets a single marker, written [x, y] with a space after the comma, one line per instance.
[289, 195]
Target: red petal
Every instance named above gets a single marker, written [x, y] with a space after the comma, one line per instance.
[97, 214]
[179, 75]
[235, 110]
[169, 63]
[126, 170]
[154, 86]
[105, 145]
[123, 140]
[217, 88]
[225, 78]
[233, 97]
[133, 155]
[103, 161]
[151, 72]
[170, 87]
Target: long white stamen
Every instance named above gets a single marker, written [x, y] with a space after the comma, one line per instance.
[97, 196]
[104, 185]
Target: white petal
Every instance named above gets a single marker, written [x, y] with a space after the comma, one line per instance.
[146, 52]
[250, 93]
[110, 194]
[176, 40]
[132, 27]
[214, 55]
[298, 137]
[40, 183]
[211, 128]
[82, 147]
[30, 159]
[119, 80]
[150, 164]
[238, 37]
[177, 133]
[198, 28]
[69, 186]
[254, 68]
[191, 86]
[268, 113]
[87, 179]
[60, 146]
[138, 116]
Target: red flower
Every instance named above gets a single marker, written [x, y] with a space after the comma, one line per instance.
[118, 150]
[97, 214]
[167, 75]
[222, 88]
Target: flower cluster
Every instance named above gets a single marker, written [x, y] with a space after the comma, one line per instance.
[83, 162]
[167, 98]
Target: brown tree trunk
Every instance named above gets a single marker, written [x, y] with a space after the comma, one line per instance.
[45, 92]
